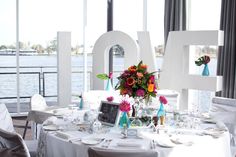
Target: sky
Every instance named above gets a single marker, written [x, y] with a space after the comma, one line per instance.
[41, 19]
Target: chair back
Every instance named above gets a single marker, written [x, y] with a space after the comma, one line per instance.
[5, 119]
[96, 152]
[12, 145]
[224, 110]
[37, 102]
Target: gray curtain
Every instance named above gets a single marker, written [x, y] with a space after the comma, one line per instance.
[174, 16]
[226, 65]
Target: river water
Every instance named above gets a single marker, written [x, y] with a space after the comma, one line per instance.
[29, 83]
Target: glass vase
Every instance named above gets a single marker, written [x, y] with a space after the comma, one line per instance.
[161, 114]
[109, 85]
[124, 120]
[205, 71]
[136, 110]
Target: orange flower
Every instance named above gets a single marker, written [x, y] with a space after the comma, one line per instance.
[143, 66]
[150, 87]
[140, 75]
[132, 68]
[130, 81]
[123, 91]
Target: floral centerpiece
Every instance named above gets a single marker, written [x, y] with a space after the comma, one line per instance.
[203, 60]
[138, 83]
[161, 112]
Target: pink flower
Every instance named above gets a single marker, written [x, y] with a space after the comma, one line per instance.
[110, 98]
[140, 93]
[151, 79]
[110, 75]
[163, 100]
[125, 106]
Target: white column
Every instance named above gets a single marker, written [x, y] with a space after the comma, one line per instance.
[63, 68]
[144, 15]
[84, 44]
[17, 58]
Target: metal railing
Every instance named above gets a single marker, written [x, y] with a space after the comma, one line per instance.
[41, 72]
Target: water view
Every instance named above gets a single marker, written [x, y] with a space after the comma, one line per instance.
[38, 75]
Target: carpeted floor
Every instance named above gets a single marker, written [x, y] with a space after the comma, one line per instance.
[19, 125]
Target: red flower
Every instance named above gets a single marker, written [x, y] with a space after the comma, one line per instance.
[130, 81]
[163, 100]
[110, 75]
[151, 79]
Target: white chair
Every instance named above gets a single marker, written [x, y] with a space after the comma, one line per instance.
[97, 152]
[8, 135]
[36, 114]
[224, 110]
[92, 98]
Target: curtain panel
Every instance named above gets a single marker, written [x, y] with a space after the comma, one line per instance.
[226, 64]
[174, 16]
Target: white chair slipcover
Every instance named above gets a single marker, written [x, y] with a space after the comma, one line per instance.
[93, 98]
[10, 140]
[36, 114]
[224, 110]
[12, 145]
[5, 119]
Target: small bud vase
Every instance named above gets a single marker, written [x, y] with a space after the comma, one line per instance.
[161, 114]
[205, 71]
[124, 120]
[109, 85]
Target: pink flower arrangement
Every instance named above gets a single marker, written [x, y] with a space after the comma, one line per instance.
[110, 98]
[163, 100]
[125, 106]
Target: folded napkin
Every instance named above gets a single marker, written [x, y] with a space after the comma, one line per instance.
[63, 135]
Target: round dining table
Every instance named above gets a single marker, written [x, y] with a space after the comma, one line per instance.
[73, 140]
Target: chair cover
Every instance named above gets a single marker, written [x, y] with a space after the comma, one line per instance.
[92, 98]
[12, 145]
[37, 106]
[5, 119]
[224, 109]
[96, 152]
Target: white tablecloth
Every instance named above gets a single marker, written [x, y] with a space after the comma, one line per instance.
[203, 145]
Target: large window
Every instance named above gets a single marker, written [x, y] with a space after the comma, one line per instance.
[39, 22]
[203, 15]
[7, 51]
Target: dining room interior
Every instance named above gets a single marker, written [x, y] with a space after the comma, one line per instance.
[111, 78]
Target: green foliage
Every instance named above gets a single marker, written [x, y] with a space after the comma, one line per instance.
[103, 76]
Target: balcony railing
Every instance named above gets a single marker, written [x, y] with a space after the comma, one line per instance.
[43, 75]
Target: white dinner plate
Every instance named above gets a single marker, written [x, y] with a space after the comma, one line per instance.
[165, 143]
[91, 141]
